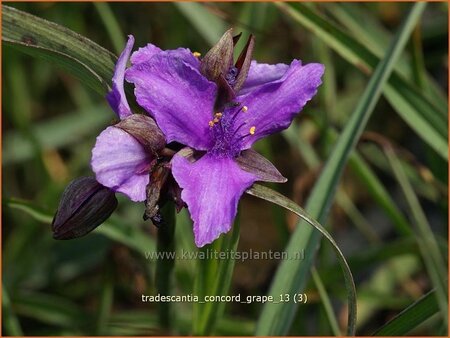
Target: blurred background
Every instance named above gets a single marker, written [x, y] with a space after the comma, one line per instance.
[93, 285]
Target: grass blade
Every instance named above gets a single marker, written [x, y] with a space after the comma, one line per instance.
[425, 238]
[111, 25]
[426, 119]
[214, 278]
[291, 276]
[274, 197]
[326, 303]
[164, 265]
[207, 25]
[410, 317]
[10, 321]
[59, 43]
[115, 230]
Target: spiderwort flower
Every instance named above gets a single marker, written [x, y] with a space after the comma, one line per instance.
[218, 114]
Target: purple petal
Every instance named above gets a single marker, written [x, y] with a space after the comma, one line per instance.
[116, 97]
[179, 98]
[271, 107]
[262, 73]
[212, 188]
[121, 163]
[144, 54]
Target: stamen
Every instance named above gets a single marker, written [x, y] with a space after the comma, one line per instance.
[252, 130]
[244, 109]
[197, 54]
[216, 120]
[211, 124]
[218, 115]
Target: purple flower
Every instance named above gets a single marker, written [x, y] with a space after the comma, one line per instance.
[125, 153]
[186, 98]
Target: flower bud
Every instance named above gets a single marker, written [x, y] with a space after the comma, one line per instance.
[84, 205]
[219, 58]
[217, 66]
[243, 63]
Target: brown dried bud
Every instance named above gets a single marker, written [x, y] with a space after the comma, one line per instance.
[254, 163]
[219, 58]
[158, 178]
[84, 205]
[243, 63]
[217, 66]
[144, 129]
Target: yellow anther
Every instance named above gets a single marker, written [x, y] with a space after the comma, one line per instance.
[196, 54]
[244, 109]
[252, 130]
[211, 124]
[216, 120]
[218, 115]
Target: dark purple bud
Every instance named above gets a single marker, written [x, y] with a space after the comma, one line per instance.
[144, 129]
[84, 205]
[251, 161]
[243, 64]
[219, 58]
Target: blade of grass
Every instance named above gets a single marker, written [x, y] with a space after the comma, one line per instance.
[213, 278]
[165, 264]
[50, 309]
[375, 37]
[425, 238]
[23, 29]
[112, 26]
[114, 228]
[10, 321]
[106, 300]
[326, 303]
[426, 119]
[55, 133]
[411, 317]
[274, 197]
[291, 276]
[207, 24]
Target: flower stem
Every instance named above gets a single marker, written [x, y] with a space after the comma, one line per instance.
[165, 263]
[214, 279]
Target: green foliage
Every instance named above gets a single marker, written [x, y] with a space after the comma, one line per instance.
[386, 213]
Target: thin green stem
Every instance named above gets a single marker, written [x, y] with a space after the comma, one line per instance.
[165, 263]
[332, 320]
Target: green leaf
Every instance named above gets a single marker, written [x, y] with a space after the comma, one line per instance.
[291, 276]
[113, 228]
[164, 265]
[213, 278]
[426, 119]
[10, 321]
[82, 57]
[55, 133]
[428, 245]
[411, 317]
[274, 197]
[206, 23]
[112, 26]
[375, 37]
[50, 309]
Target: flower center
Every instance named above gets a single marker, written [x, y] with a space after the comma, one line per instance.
[228, 133]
